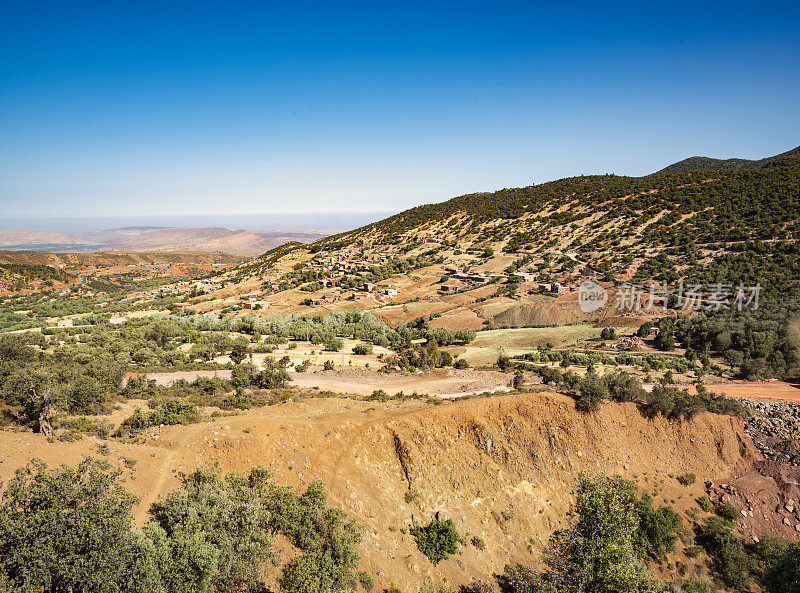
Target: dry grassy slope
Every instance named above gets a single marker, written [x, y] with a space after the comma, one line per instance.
[502, 467]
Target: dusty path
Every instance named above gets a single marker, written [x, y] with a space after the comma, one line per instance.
[759, 390]
[753, 390]
[441, 383]
[168, 378]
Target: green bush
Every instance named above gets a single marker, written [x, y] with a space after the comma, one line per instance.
[68, 529]
[362, 349]
[328, 541]
[624, 387]
[169, 412]
[727, 550]
[608, 333]
[598, 551]
[706, 504]
[333, 344]
[211, 534]
[438, 540]
[783, 568]
[687, 479]
[591, 392]
[697, 586]
[658, 529]
[272, 375]
[727, 511]
[522, 579]
[88, 426]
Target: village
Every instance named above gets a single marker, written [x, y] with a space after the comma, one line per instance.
[372, 277]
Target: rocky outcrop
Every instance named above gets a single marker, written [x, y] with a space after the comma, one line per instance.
[775, 429]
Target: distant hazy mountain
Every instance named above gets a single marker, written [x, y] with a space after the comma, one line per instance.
[209, 239]
[34, 237]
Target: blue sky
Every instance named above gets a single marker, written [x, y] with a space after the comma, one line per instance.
[165, 108]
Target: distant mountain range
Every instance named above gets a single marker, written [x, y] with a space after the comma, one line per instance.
[208, 239]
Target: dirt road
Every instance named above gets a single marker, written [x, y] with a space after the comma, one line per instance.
[442, 383]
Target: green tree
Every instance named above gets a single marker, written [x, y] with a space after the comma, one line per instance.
[327, 538]
[67, 530]
[212, 534]
[592, 390]
[239, 352]
[273, 375]
[597, 554]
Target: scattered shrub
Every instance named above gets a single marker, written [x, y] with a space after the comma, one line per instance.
[438, 540]
[522, 579]
[658, 528]
[731, 560]
[478, 542]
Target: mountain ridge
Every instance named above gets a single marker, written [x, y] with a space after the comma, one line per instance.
[696, 163]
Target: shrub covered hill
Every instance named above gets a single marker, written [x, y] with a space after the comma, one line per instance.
[703, 220]
[755, 200]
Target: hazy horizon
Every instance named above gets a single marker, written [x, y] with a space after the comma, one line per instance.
[319, 221]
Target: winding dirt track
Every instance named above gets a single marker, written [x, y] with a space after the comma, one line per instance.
[759, 390]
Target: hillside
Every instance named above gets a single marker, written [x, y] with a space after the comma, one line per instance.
[20, 237]
[708, 226]
[760, 202]
[19, 276]
[502, 468]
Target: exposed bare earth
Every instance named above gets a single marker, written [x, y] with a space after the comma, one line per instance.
[503, 468]
[443, 383]
[168, 378]
[759, 390]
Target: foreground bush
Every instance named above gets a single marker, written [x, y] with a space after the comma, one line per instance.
[212, 534]
[68, 530]
[598, 551]
[658, 529]
[168, 412]
[783, 565]
[521, 579]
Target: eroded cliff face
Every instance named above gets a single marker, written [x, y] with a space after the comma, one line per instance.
[503, 468]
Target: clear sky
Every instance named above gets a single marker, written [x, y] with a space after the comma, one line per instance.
[158, 107]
